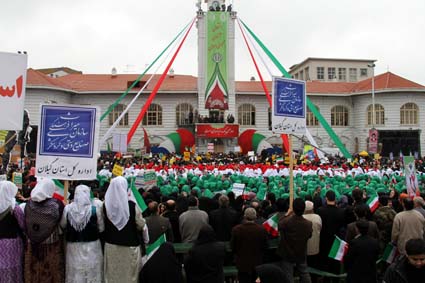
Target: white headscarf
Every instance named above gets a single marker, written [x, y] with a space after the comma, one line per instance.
[116, 202]
[8, 192]
[79, 211]
[43, 190]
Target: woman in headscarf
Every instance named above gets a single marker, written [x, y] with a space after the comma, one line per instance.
[12, 225]
[44, 257]
[83, 222]
[123, 225]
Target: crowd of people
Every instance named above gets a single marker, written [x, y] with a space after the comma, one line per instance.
[104, 235]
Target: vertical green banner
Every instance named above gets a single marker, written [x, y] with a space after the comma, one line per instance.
[216, 93]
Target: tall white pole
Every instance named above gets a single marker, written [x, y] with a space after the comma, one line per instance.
[373, 95]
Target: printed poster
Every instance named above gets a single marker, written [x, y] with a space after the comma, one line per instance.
[68, 139]
[13, 77]
[289, 106]
[411, 178]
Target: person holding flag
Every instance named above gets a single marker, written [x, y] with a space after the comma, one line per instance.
[123, 226]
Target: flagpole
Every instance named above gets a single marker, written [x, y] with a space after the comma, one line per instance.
[291, 172]
[65, 191]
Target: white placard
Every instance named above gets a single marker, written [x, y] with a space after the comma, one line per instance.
[238, 189]
[119, 142]
[13, 78]
[68, 139]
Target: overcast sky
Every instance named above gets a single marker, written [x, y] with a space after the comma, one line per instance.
[95, 35]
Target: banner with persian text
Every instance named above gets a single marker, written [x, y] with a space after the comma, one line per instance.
[216, 93]
[13, 77]
[68, 139]
[289, 106]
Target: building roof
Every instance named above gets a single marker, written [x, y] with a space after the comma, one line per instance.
[48, 71]
[101, 82]
[329, 59]
[182, 83]
[36, 78]
[385, 81]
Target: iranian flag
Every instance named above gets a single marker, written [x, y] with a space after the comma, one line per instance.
[59, 193]
[338, 250]
[390, 253]
[271, 225]
[136, 196]
[153, 248]
[373, 203]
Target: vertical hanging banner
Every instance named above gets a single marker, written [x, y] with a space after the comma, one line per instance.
[373, 140]
[411, 179]
[13, 77]
[289, 106]
[216, 93]
[68, 139]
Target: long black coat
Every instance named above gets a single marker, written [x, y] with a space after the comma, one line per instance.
[360, 260]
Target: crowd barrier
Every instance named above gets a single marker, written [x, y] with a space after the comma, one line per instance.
[231, 272]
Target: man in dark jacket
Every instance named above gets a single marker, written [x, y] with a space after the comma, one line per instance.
[363, 252]
[157, 224]
[248, 243]
[223, 219]
[409, 268]
[332, 224]
[171, 213]
[295, 231]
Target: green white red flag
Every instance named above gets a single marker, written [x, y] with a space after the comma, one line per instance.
[153, 248]
[271, 225]
[390, 253]
[339, 249]
[373, 203]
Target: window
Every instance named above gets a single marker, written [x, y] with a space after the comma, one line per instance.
[320, 73]
[301, 75]
[115, 113]
[353, 75]
[379, 114]
[363, 72]
[153, 116]
[342, 74]
[331, 73]
[246, 115]
[307, 75]
[409, 114]
[339, 116]
[184, 114]
[311, 120]
[296, 76]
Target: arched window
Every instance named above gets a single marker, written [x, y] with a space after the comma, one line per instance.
[246, 115]
[310, 119]
[153, 116]
[379, 114]
[339, 116]
[184, 114]
[409, 114]
[115, 113]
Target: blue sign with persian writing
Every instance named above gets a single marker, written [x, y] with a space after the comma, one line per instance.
[289, 98]
[67, 131]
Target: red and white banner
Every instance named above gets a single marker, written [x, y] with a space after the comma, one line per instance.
[373, 140]
[217, 131]
[13, 77]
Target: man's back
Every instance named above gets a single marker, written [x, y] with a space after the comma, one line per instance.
[294, 233]
[407, 225]
[158, 225]
[191, 222]
[222, 220]
[248, 243]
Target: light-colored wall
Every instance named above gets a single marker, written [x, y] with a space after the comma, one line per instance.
[313, 64]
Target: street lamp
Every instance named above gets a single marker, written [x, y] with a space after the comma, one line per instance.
[372, 65]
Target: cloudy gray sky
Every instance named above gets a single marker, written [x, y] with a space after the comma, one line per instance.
[95, 35]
